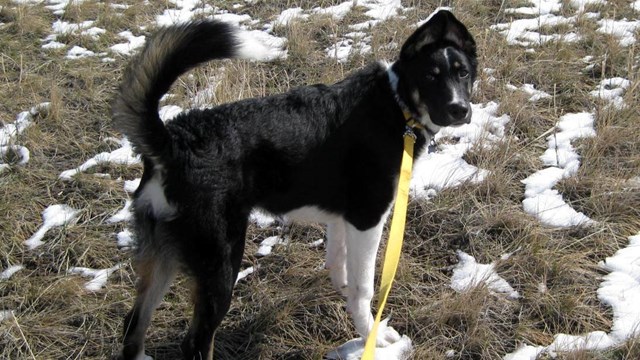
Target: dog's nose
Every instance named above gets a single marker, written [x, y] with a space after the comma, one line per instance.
[458, 112]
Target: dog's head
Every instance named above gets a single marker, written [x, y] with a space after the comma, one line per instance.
[436, 71]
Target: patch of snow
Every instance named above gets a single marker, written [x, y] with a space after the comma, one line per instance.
[289, 15]
[468, 274]
[9, 132]
[529, 89]
[52, 216]
[244, 273]
[125, 239]
[338, 12]
[612, 90]
[316, 243]
[133, 43]
[21, 152]
[266, 246]
[446, 168]
[123, 214]
[123, 155]
[580, 5]
[8, 272]
[623, 30]
[538, 7]
[521, 32]
[541, 200]
[130, 186]
[78, 52]
[620, 290]
[53, 45]
[99, 276]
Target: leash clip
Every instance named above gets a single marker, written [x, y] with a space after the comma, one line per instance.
[408, 131]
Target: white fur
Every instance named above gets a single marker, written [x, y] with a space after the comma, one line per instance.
[362, 248]
[308, 214]
[351, 260]
[393, 78]
[153, 195]
[336, 258]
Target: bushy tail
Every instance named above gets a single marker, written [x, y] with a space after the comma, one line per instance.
[169, 53]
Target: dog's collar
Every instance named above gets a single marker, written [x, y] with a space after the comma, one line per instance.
[411, 122]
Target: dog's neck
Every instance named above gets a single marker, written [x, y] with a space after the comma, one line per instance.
[429, 127]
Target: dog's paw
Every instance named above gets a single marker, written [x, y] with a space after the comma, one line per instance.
[393, 347]
[387, 335]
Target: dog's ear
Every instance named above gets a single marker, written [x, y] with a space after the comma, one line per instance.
[441, 26]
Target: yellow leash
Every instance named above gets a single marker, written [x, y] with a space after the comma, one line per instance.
[396, 234]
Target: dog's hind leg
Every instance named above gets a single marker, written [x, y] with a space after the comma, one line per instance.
[155, 272]
[215, 271]
[336, 255]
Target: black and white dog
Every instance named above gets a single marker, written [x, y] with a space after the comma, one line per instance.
[326, 153]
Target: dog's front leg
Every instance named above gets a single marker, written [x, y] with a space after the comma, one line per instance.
[362, 248]
[336, 255]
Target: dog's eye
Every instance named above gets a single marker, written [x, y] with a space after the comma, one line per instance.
[431, 77]
[463, 74]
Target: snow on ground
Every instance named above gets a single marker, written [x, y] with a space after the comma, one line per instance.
[123, 155]
[132, 44]
[9, 271]
[9, 132]
[18, 154]
[266, 246]
[52, 216]
[541, 200]
[468, 274]
[623, 30]
[521, 32]
[445, 167]
[621, 288]
[244, 273]
[612, 90]
[530, 89]
[98, 277]
[621, 291]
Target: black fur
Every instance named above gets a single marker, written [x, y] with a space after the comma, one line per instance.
[335, 147]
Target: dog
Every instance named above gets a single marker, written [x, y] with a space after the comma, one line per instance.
[323, 153]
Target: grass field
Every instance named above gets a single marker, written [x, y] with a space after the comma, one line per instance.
[287, 308]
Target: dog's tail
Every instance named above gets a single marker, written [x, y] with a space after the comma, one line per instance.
[171, 52]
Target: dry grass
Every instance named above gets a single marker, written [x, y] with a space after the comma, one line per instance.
[287, 310]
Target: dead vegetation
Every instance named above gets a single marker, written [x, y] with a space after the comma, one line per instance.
[287, 309]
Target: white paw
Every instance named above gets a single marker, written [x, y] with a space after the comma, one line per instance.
[143, 356]
[387, 335]
[397, 347]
